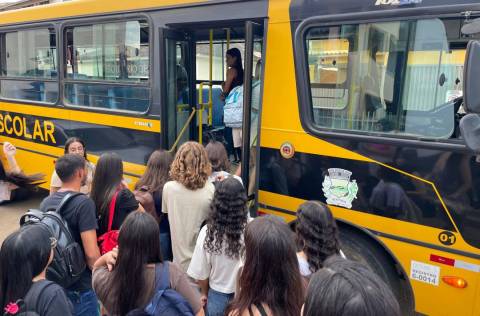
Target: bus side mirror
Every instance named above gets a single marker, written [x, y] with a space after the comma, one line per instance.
[471, 78]
[470, 123]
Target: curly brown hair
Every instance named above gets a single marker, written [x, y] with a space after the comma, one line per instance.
[317, 233]
[227, 219]
[191, 166]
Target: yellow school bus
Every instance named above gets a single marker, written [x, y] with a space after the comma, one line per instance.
[354, 103]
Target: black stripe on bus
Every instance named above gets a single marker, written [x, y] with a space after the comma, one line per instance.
[277, 209]
[132, 145]
[35, 152]
[390, 236]
[306, 176]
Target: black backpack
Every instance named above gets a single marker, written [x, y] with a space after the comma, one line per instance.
[68, 261]
[29, 305]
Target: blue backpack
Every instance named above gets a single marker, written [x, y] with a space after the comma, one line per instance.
[166, 300]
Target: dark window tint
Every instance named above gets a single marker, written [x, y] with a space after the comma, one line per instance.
[114, 97]
[29, 90]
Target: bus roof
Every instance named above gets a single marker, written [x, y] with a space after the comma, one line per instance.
[78, 8]
[302, 9]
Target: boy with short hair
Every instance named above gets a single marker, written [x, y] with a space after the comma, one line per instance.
[80, 215]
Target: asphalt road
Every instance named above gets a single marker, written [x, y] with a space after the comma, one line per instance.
[10, 213]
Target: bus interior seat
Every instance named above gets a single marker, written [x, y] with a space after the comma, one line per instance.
[217, 105]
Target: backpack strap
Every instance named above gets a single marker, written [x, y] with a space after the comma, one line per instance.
[111, 211]
[261, 310]
[35, 293]
[162, 276]
[31, 214]
[69, 196]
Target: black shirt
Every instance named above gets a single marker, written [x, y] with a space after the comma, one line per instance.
[125, 204]
[164, 224]
[80, 215]
[52, 300]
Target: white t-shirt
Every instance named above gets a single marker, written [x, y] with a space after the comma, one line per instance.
[187, 209]
[305, 267]
[220, 270]
[6, 190]
[223, 174]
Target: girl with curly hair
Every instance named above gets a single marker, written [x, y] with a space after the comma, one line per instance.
[186, 199]
[317, 236]
[216, 259]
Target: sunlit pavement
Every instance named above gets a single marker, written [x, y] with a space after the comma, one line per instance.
[10, 213]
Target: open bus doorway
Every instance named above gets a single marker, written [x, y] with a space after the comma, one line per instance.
[195, 68]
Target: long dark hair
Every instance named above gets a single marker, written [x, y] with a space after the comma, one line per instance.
[235, 52]
[317, 233]
[139, 245]
[344, 287]
[227, 219]
[22, 180]
[72, 140]
[271, 274]
[156, 173]
[24, 255]
[107, 178]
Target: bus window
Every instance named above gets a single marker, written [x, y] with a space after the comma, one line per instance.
[202, 61]
[328, 59]
[115, 53]
[29, 65]
[219, 69]
[394, 78]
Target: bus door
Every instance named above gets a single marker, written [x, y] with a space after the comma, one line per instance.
[178, 110]
[252, 98]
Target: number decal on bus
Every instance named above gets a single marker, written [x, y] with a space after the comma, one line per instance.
[447, 238]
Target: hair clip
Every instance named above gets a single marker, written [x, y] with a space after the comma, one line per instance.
[12, 308]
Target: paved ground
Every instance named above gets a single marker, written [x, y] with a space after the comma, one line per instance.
[10, 213]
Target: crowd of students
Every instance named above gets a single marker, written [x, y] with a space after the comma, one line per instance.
[192, 250]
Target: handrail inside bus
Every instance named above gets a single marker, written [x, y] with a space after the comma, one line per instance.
[209, 105]
[184, 128]
[210, 77]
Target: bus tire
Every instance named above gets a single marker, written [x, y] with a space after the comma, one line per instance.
[362, 246]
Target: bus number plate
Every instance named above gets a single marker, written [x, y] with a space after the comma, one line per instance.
[425, 273]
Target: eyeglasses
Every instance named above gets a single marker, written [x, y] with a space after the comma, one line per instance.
[53, 242]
